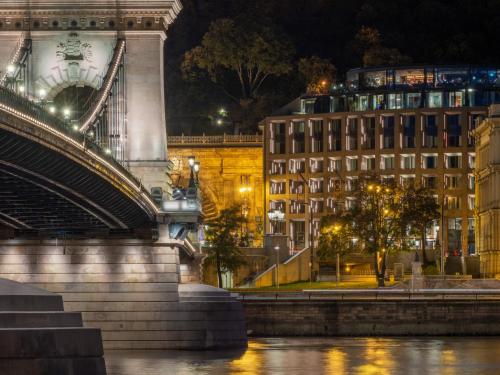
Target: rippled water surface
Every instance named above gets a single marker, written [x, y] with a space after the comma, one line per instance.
[361, 356]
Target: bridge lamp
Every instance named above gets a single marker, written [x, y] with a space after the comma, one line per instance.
[191, 161]
[21, 88]
[75, 127]
[11, 68]
[196, 166]
[91, 133]
[52, 109]
[42, 93]
[107, 151]
[66, 112]
[219, 121]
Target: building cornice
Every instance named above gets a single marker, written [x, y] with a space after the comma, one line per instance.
[167, 9]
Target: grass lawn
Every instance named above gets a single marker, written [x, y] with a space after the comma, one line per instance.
[294, 287]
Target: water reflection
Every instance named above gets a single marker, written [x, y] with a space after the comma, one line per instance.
[337, 356]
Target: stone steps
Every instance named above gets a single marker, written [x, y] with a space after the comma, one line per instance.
[131, 293]
[41, 319]
[37, 337]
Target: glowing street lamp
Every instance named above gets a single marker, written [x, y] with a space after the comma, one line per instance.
[52, 109]
[11, 68]
[42, 93]
[191, 160]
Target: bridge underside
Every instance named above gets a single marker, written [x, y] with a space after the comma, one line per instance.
[44, 192]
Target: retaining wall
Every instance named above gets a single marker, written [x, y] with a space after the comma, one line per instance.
[367, 318]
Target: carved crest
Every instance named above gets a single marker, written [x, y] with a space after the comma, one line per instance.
[73, 49]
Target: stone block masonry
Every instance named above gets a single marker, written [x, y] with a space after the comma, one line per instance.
[372, 318]
[130, 290]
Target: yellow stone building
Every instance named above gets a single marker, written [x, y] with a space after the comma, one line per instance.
[231, 172]
[487, 190]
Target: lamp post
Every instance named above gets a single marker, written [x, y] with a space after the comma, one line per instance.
[275, 216]
[277, 249]
[192, 163]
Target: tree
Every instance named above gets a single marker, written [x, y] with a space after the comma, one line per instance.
[317, 73]
[376, 221]
[335, 237]
[420, 210]
[369, 44]
[239, 56]
[222, 241]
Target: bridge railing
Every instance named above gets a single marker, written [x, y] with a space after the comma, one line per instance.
[25, 109]
[225, 139]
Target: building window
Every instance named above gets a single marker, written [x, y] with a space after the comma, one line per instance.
[435, 99]
[368, 133]
[471, 246]
[388, 180]
[308, 105]
[387, 162]
[429, 161]
[334, 205]
[316, 165]
[298, 234]
[430, 131]
[298, 137]
[395, 101]
[350, 203]
[352, 134]
[297, 187]
[452, 181]
[456, 99]
[297, 165]
[316, 136]
[278, 138]
[352, 164]
[430, 182]
[474, 121]
[351, 183]
[454, 236]
[297, 207]
[278, 167]
[471, 182]
[472, 160]
[278, 205]
[368, 163]
[278, 187]
[407, 180]
[334, 164]
[452, 203]
[471, 201]
[335, 135]
[334, 184]
[413, 100]
[408, 131]
[388, 132]
[453, 161]
[453, 132]
[316, 185]
[317, 206]
[408, 161]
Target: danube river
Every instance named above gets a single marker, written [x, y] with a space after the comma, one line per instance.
[362, 356]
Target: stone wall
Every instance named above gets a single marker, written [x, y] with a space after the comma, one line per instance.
[377, 318]
[130, 290]
[223, 172]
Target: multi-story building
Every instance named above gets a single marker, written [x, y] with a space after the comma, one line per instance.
[412, 125]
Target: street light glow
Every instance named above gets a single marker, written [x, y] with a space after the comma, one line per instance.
[11, 68]
[191, 160]
[52, 109]
[42, 93]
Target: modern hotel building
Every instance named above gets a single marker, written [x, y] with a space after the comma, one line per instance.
[408, 124]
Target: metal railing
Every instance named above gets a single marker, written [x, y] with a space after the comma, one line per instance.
[374, 295]
[15, 105]
[225, 139]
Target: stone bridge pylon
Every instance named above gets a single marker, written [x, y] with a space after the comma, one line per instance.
[63, 54]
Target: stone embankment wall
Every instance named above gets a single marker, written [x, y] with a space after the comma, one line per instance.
[367, 318]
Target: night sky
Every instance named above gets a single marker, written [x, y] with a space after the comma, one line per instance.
[427, 31]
